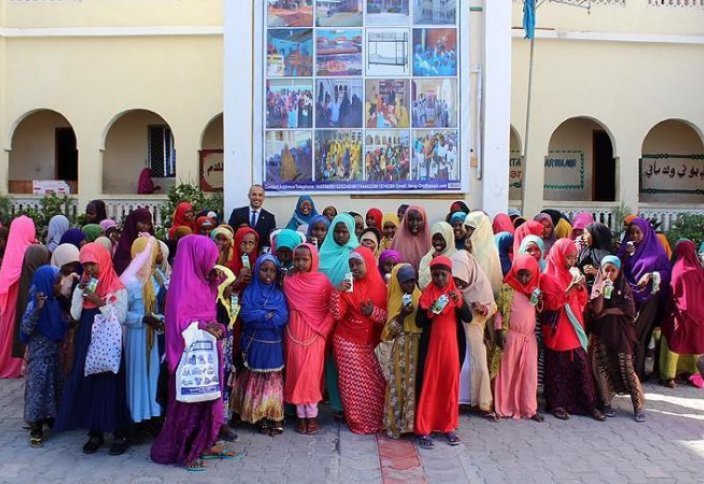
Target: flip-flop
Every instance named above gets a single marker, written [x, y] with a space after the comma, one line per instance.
[197, 466]
[453, 439]
[224, 455]
[426, 442]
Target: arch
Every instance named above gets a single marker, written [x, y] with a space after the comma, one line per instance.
[132, 140]
[515, 140]
[671, 168]
[581, 161]
[212, 137]
[42, 146]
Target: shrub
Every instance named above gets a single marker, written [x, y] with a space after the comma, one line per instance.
[186, 192]
[687, 226]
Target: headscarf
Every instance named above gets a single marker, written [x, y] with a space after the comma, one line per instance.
[288, 239]
[50, 324]
[144, 253]
[387, 218]
[179, 219]
[316, 220]
[298, 218]
[92, 231]
[662, 238]
[524, 262]
[556, 265]
[432, 292]
[225, 259]
[563, 229]
[236, 265]
[165, 267]
[529, 228]
[378, 217]
[106, 224]
[402, 208]
[36, 256]
[518, 221]
[580, 222]
[334, 258]
[628, 219]
[182, 231]
[400, 274]
[328, 209]
[260, 299]
[105, 242]
[21, 237]
[688, 288]
[308, 293]
[544, 217]
[412, 247]
[74, 237]
[601, 245]
[191, 296]
[459, 206]
[222, 286]
[99, 208]
[123, 252]
[555, 215]
[502, 223]
[458, 217]
[200, 221]
[371, 287]
[466, 268]
[64, 254]
[610, 259]
[108, 282]
[372, 234]
[504, 243]
[534, 239]
[444, 229]
[387, 255]
[484, 248]
[58, 225]
[648, 257]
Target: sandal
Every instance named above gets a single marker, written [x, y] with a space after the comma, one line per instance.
[640, 417]
[301, 426]
[670, 383]
[598, 415]
[118, 447]
[561, 413]
[426, 442]
[313, 426]
[93, 445]
[453, 439]
[277, 429]
[609, 411]
[36, 442]
[490, 416]
[264, 427]
[195, 466]
[218, 451]
[227, 434]
[537, 418]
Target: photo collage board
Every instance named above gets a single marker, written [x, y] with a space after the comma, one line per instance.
[361, 95]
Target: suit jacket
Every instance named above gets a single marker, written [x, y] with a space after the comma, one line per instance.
[266, 223]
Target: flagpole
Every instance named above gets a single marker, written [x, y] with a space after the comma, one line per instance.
[526, 136]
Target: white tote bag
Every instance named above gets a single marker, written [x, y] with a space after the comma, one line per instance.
[198, 372]
[105, 348]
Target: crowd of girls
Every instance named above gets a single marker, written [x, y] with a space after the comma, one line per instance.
[393, 321]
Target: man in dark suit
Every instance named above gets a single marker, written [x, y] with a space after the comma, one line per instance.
[255, 216]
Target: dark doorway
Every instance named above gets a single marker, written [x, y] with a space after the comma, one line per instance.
[604, 172]
[66, 155]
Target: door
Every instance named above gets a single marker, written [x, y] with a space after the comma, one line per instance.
[604, 168]
[66, 155]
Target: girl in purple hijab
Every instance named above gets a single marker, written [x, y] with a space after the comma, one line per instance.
[190, 430]
[647, 271]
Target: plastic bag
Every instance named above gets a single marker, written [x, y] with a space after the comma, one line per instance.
[105, 348]
[198, 372]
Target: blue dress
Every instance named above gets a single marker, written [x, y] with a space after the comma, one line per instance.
[96, 402]
[141, 363]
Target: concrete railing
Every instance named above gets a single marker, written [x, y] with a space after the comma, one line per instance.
[118, 208]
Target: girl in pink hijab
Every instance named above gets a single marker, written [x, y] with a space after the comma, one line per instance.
[412, 238]
[22, 236]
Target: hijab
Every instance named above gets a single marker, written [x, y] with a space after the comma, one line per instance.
[298, 218]
[518, 221]
[318, 219]
[443, 229]
[524, 262]
[106, 224]
[600, 248]
[502, 223]
[563, 229]
[236, 264]
[466, 268]
[36, 256]
[144, 253]
[534, 239]
[308, 294]
[555, 215]
[459, 206]
[372, 234]
[484, 248]
[504, 243]
[97, 206]
[105, 242]
[334, 258]
[544, 217]
[21, 237]
[260, 299]
[224, 259]
[556, 265]
[413, 247]
[58, 225]
[179, 219]
[371, 287]
[226, 302]
[389, 255]
[529, 228]
[387, 218]
[378, 217]
[191, 296]
[402, 273]
[432, 292]
[50, 324]
[92, 231]
[74, 237]
[108, 282]
[64, 254]
[288, 239]
[165, 267]
[688, 281]
[123, 253]
[202, 220]
[580, 222]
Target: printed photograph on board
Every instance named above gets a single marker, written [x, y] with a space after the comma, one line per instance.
[289, 104]
[435, 52]
[338, 13]
[387, 12]
[388, 52]
[338, 103]
[338, 155]
[435, 12]
[289, 53]
[434, 103]
[387, 103]
[387, 155]
[338, 52]
[289, 13]
[289, 156]
[435, 155]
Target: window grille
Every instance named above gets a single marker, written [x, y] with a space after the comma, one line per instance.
[160, 151]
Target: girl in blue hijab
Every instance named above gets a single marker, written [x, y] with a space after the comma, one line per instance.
[303, 214]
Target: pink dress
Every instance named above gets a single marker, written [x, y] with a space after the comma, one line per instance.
[517, 380]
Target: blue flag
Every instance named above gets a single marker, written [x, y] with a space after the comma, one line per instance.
[529, 18]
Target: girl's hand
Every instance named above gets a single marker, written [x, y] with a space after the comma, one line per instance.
[645, 280]
[39, 299]
[93, 298]
[215, 330]
[245, 275]
[153, 322]
[454, 296]
[344, 286]
[590, 270]
[630, 248]
[407, 309]
[367, 308]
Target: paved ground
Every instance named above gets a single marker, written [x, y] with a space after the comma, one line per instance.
[669, 447]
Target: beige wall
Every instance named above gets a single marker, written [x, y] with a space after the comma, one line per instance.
[33, 146]
[213, 135]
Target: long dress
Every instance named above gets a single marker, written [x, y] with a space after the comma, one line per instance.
[95, 402]
[141, 357]
[517, 380]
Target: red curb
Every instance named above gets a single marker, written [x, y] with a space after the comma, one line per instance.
[399, 460]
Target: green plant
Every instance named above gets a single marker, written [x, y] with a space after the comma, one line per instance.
[687, 226]
[49, 206]
[5, 210]
[188, 192]
[619, 214]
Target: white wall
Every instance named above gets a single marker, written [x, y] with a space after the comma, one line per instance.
[33, 146]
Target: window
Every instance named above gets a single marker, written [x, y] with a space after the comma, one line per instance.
[161, 153]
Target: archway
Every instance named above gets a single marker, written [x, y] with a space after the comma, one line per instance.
[43, 150]
[672, 163]
[211, 156]
[580, 163]
[516, 171]
[135, 140]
